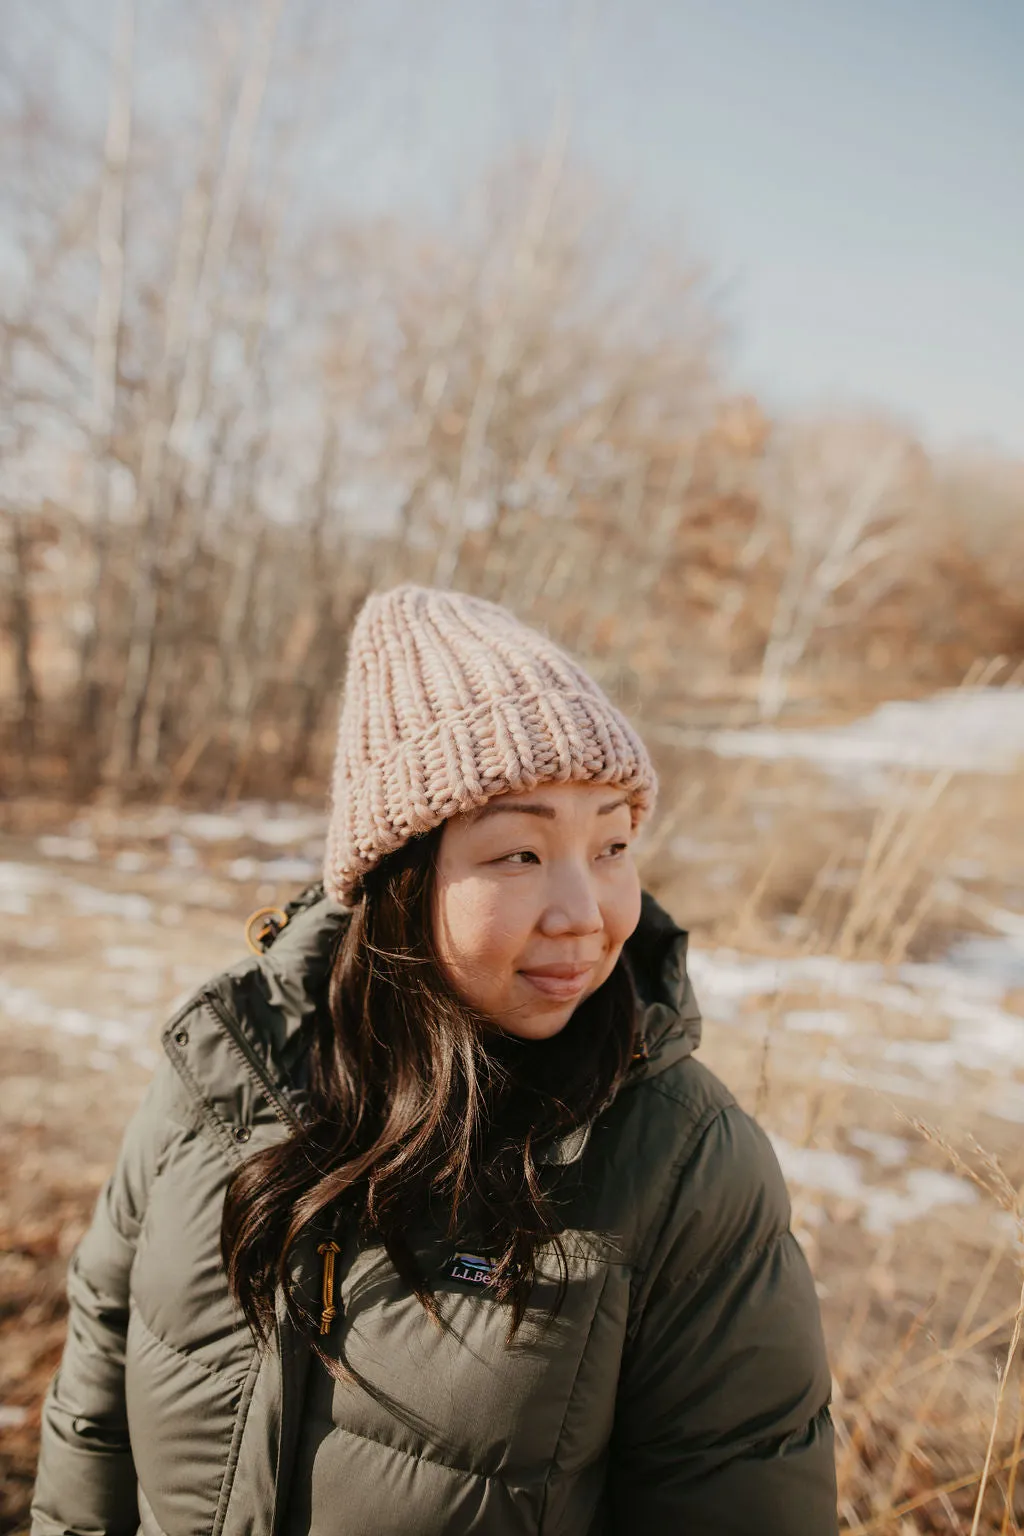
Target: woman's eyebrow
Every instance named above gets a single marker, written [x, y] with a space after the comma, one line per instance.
[537, 808]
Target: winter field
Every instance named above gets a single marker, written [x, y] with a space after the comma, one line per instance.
[238, 395]
[855, 896]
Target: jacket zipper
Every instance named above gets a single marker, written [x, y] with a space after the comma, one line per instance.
[282, 1109]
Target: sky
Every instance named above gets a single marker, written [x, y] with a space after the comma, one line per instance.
[852, 173]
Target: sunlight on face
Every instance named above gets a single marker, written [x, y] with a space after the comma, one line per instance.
[535, 895]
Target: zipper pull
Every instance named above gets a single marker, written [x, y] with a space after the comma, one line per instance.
[330, 1311]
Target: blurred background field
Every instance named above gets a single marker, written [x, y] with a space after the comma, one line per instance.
[235, 399]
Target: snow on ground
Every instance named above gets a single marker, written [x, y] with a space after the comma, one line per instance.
[963, 992]
[25, 1006]
[919, 1192]
[913, 1030]
[968, 730]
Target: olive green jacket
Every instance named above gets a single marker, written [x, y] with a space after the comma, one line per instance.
[683, 1388]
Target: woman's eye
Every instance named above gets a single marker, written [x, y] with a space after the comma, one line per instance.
[526, 856]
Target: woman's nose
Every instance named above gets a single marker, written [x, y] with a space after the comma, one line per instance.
[572, 905]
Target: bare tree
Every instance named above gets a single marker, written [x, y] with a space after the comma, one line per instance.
[835, 494]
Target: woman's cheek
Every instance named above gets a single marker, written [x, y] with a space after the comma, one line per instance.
[623, 911]
[484, 919]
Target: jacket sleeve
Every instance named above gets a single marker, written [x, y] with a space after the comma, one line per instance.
[722, 1420]
[85, 1483]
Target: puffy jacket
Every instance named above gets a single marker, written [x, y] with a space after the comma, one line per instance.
[683, 1388]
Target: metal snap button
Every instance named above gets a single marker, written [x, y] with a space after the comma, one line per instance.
[242, 1133]
[181, 1037]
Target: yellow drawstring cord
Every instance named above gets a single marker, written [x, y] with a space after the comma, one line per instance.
[330, 1311]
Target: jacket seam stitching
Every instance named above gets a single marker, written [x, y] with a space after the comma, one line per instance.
[139, 1208]
[182, 1354]
[227, 1482]
[268, 1088]
[660, 1219]
[687, 1101]
[568, 1401]
[744, 1256]
[432, 1461]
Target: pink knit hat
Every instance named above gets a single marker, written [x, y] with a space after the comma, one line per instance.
[448, 701]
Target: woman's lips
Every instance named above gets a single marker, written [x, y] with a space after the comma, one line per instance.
[559, 981]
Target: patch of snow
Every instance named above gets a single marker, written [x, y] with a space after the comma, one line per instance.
[884, 1206]
[287, 830]
[983, 1035]
[968, 730]
[724, 979]
[833, 1173]
[926, 1190]
[190, 976]
[129, 957]
[292, 867]
[289, 869]
[276, 826]
[183, 855]
[92, 902]
[999, 962]
[23, 1006]
[888, 1151]
[142, 986]
[130, 862]
[243, 869]
[982, 1038]
[817, 1021]
[81, 849]
[207, 828]
[22, 878]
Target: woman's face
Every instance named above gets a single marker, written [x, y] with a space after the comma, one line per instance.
[535, 895]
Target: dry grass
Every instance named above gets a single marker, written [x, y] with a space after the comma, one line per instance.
[923, 1320]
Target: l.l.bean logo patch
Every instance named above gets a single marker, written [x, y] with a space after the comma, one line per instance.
[470, 1269]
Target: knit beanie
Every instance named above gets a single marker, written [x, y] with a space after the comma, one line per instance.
[450, 700]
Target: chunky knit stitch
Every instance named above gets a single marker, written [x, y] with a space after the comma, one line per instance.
[450, 700]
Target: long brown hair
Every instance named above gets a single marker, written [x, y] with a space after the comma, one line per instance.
[417, 1103]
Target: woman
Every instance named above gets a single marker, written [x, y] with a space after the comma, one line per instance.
[430, 1222]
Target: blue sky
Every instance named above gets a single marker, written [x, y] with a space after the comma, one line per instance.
[853, 172]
